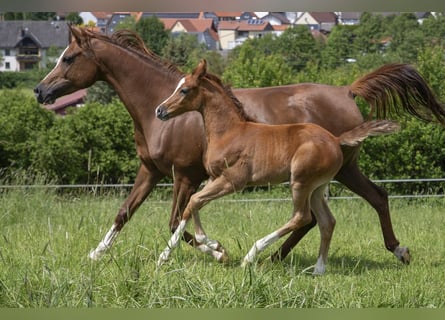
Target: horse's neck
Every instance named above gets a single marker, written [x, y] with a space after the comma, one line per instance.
[140, 83]
[220, 115]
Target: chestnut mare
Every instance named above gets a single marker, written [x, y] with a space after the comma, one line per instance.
[142, 80]
[242, 153]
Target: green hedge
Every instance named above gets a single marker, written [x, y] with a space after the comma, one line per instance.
[95, 143]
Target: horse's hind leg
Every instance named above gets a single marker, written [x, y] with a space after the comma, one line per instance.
[377, 197]
[326, 223]
[144, 184]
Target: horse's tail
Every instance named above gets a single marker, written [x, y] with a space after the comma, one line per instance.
[369, 128]
[398, 87]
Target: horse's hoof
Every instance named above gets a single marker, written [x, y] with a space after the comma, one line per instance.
[402, 253]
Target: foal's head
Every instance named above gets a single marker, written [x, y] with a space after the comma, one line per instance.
[188, 95]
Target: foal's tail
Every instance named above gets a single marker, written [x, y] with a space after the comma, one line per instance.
[369, 128]
[399, 87]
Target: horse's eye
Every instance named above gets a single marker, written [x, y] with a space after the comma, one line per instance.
[184, 90]
[68, 59]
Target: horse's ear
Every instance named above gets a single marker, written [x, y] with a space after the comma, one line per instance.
[201, 69]
[76, 33]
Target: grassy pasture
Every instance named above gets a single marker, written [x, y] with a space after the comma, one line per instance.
[45, 238]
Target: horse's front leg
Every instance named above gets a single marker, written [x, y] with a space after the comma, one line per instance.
[144, 183]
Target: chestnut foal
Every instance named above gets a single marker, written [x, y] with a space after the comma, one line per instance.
[241, 153]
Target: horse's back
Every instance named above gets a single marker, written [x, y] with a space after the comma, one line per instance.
[331, 107]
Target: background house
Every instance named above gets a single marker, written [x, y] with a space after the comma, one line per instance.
[234, 33]
[322, 21]
[25, 45]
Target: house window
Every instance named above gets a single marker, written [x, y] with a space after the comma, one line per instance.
[7, 65]
[7, 52]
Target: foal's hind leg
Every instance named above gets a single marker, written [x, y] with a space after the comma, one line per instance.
[300, 219]
[326, 224]
[293, 240]
[143, 185]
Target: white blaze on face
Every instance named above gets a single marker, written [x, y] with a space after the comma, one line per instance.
[180, 83]
[59, 61]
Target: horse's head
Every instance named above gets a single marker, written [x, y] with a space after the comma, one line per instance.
[187, 95]
[75, 69]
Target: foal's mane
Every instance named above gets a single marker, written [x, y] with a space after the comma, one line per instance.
[132, 42]
[227, 90]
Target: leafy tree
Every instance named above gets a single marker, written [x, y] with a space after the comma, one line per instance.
[298, 47]
[153, 32]
[255, 69]
[433, 30]
[74, 17]
[22, 123]
[29, 15]
[90, 144]
[338, 48]
[369, 33]
[184, 51]
[431, 64]
[406, 37]
[101, 92]
[129, 23]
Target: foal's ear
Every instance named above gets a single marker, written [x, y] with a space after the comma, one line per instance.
[201, 69]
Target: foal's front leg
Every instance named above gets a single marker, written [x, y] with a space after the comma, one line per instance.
[212, 190]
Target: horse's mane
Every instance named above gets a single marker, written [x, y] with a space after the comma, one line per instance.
[217, 82]
[132, 42]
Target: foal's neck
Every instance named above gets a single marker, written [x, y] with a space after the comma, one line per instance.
[220, 113]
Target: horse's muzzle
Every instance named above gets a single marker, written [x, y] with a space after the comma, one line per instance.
[43, 96]
[161, 113]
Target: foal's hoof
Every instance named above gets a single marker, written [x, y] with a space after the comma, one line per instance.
[223, 257]
[402, 253]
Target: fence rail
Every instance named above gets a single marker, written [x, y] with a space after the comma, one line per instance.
[95, 187]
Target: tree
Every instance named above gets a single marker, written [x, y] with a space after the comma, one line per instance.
[433, 30]
[431, 64]
[100, 92]
[255, 69]
[406, 38]
[74, 17]
[184, 51]
[369, 34]
[338, 48]
[153, 32]
[298, 47]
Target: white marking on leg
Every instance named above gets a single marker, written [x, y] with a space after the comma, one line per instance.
[259, 246]
[172, 243]
[320, 267]
[105, 244]
[218, 255]
[57, 64]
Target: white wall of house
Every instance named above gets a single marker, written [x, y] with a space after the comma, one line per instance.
[227, 39]
[9, 62]
[87, 17]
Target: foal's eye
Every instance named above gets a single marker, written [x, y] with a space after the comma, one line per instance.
[184, 90]
[68, 59]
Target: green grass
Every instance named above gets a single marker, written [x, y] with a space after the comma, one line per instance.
[45, 239]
